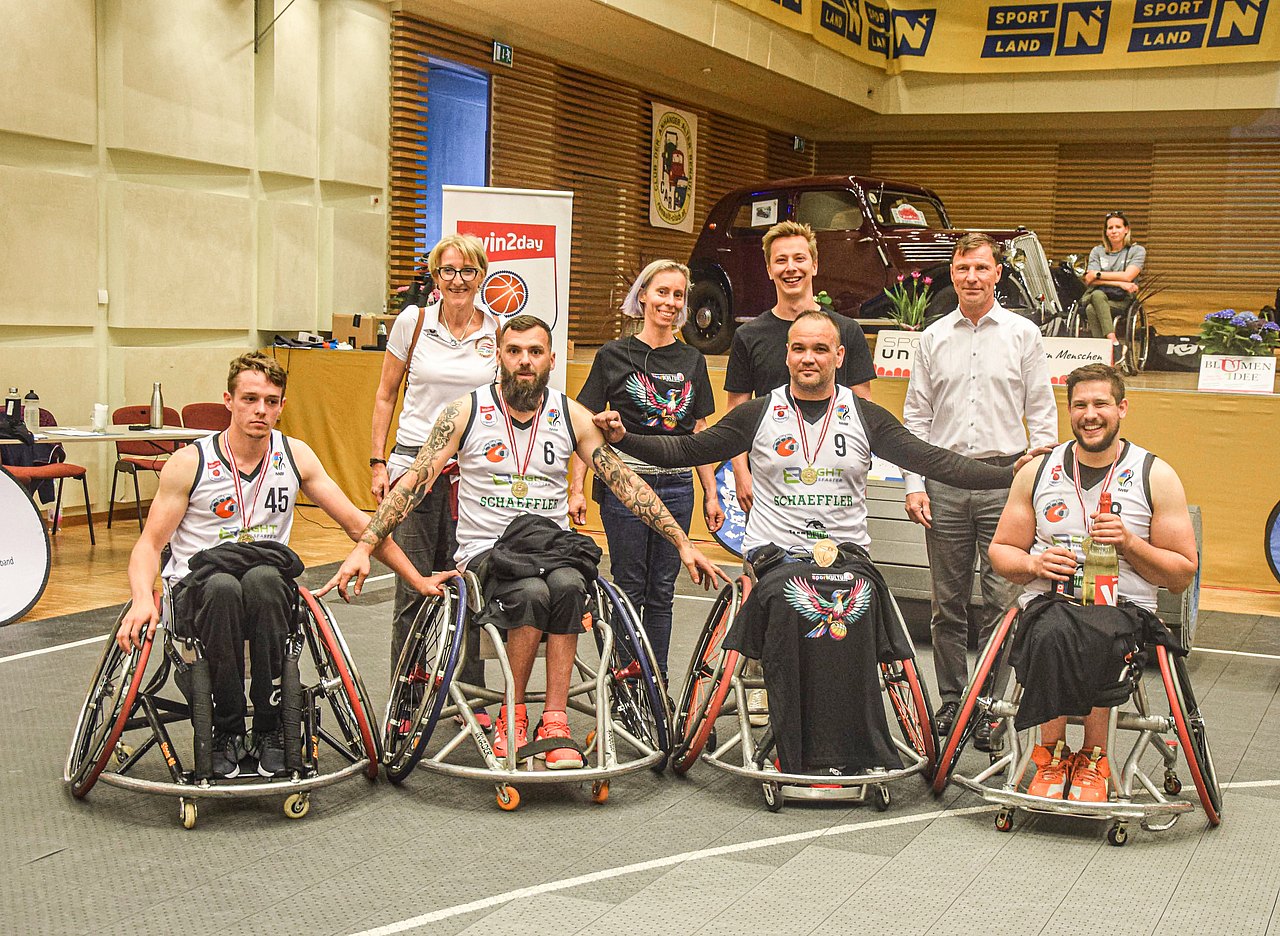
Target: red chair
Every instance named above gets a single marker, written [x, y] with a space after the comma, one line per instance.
[143, 455]
[56, 471]
[214, 416]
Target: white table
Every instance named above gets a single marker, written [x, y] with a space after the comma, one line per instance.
[66, 434]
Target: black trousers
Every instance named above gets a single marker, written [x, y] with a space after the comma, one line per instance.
[223, 612]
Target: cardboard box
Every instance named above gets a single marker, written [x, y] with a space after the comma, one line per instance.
[356, 330]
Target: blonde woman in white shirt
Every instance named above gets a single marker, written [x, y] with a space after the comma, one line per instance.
[438, 353]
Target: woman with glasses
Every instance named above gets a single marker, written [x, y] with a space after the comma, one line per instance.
[659, 386]
[439, 353]
[1111, 276]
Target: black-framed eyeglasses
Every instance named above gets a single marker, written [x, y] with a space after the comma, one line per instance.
[1116, 214]
[449, 273]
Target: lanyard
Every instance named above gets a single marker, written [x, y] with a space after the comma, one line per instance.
[1075, 479]
[521, 467]
[246, 510]
[804, 440]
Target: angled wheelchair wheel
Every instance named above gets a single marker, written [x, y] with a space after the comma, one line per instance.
[962, 727]
[420, 687]
[708, 680]
[112, 696]
[339, 683]
[639, 693]
[1137, 347]
[911, 706]
[1192, 735]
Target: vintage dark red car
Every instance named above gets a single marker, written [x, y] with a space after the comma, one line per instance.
[869, 232]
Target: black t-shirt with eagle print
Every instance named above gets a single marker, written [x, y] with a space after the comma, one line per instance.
[656, 391]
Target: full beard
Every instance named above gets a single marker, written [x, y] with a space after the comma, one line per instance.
[522, 397]
[1102, 444]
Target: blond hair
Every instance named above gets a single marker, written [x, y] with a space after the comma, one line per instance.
[790, 229]
[468, 245]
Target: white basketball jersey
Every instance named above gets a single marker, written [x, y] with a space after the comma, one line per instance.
[788, 512]
[490, 480]
[1060, 517]
[213, 512]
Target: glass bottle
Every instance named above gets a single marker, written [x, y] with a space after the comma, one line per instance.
[1101, 565]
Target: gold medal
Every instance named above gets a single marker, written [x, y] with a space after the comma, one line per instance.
[244, 536]
[825, 552]
[809, 474]
[520, 488]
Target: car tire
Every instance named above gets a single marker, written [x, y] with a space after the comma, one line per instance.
[710, 324]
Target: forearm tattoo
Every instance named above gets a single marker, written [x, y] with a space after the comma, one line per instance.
[408, 494]
[637, 496]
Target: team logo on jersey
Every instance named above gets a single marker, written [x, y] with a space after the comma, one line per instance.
[223, 507]
[1056, 511]
[1124, 480]
[659, 409]
[780, 412]
[487, 415]
[792, 475]
[485, 347]
[785, 445]
[277, 462]
[553, 418]
[495, 451]
[215, 469]
[842, 413]
[832, 616]
[1055, 474]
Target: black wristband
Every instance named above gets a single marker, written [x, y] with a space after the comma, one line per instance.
[377, 461]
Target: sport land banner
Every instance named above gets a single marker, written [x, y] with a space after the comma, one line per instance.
[1020, 36]
[526, 235]
[673, 160]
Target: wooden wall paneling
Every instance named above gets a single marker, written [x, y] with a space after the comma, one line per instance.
[522, 125]
[1093, 180]
[407, 154]
[841, 157]
[782, 159]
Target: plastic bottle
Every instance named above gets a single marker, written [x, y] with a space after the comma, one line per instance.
[157, 406]
[13, 404]
[31, 411]
[1101, 566]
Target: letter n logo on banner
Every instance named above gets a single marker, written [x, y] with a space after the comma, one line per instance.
[1237, 22]
[1082, 30]
[912, 30]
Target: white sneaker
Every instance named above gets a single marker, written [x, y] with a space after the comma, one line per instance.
[758, 707]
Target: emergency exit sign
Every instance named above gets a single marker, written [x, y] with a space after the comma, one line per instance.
[502, 54]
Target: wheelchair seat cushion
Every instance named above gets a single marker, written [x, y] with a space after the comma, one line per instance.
[1071, 658]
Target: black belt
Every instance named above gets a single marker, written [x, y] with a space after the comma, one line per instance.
[1001, 461]
[410, 450]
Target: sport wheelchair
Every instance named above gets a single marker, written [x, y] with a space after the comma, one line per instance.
[125, 715]
[1131, 329]
[1183, 727]
[716, 687]
[621, 690]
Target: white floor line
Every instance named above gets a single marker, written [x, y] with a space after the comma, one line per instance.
[1241, 653]
[54, 649]
[608, 873]
[1248, 784]
[696, 598]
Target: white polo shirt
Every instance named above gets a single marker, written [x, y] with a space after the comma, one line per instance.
[443, 369]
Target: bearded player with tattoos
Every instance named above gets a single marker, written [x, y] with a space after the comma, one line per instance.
[513, 443]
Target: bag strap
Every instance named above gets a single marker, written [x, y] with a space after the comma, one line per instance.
[417, 330]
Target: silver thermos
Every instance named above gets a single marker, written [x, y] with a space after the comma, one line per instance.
[157, 406]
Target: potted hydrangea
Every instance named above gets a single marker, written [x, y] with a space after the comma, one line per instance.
[1239, 352]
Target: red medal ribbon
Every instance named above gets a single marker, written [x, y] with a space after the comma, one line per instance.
[246, 511]
[1075, 479]
[521, 468]
[826, 423]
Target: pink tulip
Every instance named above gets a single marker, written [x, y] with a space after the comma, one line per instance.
[928, 280]
[901, 277]
[915, 274]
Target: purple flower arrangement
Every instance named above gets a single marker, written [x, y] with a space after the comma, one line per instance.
[1238, 333]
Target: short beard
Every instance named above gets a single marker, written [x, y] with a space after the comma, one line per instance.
[522, 398]
[1102, 446]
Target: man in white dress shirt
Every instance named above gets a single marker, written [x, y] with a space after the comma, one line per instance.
[979, 373]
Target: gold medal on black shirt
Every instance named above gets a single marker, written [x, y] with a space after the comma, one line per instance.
[825, 552]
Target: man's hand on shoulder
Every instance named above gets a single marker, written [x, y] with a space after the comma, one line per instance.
[1030, 457]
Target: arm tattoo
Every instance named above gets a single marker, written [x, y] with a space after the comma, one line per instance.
[408, 494]
[636, 495]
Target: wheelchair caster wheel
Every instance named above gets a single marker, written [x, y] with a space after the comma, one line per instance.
[508, 798]
[591, 739]
[711, 741]
[123, 752]
[1004, 820]
[187, 813]
[1172, 785]
[297, 805]
[772, 796]
[883, 799]
[1118, 834]
[600, 792]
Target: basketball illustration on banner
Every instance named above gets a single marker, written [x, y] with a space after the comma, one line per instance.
[505, 293]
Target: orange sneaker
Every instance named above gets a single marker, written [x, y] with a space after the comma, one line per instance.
[500, 731]
[1089, 777]
[556, 725]
[1053, 771]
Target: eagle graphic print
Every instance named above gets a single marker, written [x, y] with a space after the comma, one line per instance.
[664, 410]
[832, 616]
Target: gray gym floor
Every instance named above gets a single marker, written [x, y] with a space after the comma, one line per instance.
[667, 854]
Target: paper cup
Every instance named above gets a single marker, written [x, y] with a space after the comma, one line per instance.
[99, 417]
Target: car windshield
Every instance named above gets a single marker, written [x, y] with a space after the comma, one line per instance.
[905, 209]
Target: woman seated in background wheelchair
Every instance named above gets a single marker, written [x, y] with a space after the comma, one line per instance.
[1111, 277]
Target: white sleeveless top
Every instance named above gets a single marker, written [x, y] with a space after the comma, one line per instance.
[213, 514]
[489, 472]
[787, 512]
[1060, 518]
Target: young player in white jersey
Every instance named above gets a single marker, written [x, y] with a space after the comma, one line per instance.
[513, 460]
[1053, 505]
[239, 486]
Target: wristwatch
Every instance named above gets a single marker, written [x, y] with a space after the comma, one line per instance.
[377, 461]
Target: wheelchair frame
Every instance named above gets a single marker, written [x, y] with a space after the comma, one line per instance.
[998, 783]
[626, 697]
[716, 685]
[123, 700]
[1135, 344]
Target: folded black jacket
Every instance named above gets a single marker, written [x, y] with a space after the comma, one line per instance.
[531, 546]
[238, 558]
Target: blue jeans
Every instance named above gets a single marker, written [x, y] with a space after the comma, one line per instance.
[643, 564]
